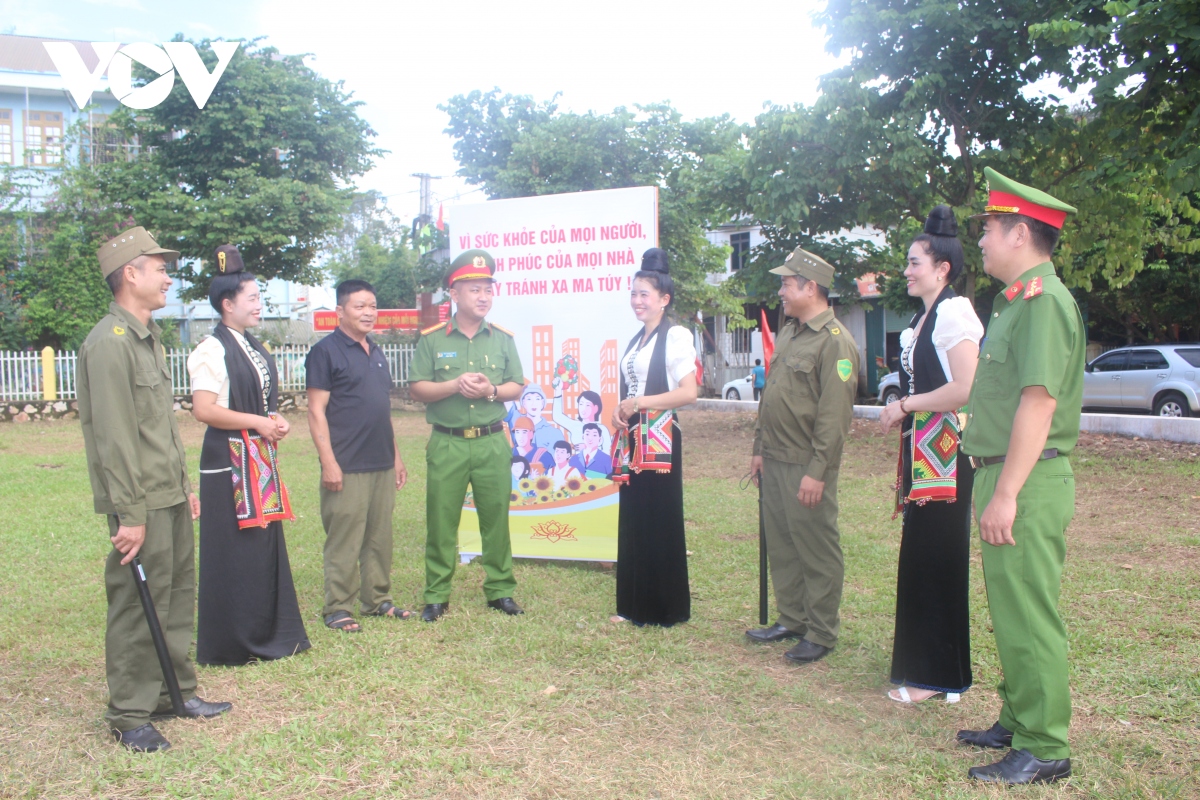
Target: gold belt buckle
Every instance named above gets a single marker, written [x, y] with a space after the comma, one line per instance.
[470, 433]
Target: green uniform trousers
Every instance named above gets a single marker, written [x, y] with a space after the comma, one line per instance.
[358, 541]
[136, 687]
[486, 464]
[804, 551]
[1022, 588]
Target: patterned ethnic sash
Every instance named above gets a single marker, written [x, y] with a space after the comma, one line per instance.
[645, 446]
[259, 496]
[933, 443]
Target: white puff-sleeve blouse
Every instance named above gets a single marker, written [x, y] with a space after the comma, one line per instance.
[956, 322]
[680, 361]
[206, 367]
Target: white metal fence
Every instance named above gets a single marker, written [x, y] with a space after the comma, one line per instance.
[21, 376]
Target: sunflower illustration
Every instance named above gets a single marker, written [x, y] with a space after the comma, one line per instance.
[574, 485]
[591, 486]
[543, 497]
[514, 497]
[543, 485]
[525, 485]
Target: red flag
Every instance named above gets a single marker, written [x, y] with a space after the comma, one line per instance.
[440, 224]
[768, 342]
[699, 372]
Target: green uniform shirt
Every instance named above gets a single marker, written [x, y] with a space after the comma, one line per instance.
[134, 451]
[806, 407]
[1034, 338]
[444, 353]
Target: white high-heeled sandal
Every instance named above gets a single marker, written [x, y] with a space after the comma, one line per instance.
[951, 697]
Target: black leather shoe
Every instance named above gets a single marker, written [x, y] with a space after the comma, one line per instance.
[195, 708]
[996, 736]
[807, 652]
[507, 605]
[1019, 766]
[775, 633]
[143, 739]
[434, 610]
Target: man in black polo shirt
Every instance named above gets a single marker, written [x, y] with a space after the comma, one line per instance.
[350, 418]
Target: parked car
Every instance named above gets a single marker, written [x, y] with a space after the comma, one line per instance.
[1161, 379]
[739, 389]
[889, 388]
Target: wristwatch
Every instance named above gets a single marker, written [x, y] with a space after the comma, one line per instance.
[495, 393]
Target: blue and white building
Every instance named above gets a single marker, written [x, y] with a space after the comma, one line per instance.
[36, 114]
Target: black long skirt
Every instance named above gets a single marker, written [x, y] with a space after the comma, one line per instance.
[247, 602]
[652, 570]
[932, 647]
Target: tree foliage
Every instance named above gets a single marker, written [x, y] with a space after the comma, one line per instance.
[267, 165]
[514, 146]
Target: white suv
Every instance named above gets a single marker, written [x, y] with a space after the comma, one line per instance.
[1161, 379]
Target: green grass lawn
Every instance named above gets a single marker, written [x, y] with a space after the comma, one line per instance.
[561, 703]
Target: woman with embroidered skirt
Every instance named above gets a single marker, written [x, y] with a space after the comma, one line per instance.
[247, 601]
[931, 653]
[657, 375]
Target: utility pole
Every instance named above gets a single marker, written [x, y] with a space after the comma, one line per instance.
[426, 215]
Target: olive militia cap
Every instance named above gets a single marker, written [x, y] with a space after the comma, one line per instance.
[128, 245]
[1006, 196]
[808, 266]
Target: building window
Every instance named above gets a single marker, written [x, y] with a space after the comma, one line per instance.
[6, 136]
[740, 242]
[104, 144]
[43, 138]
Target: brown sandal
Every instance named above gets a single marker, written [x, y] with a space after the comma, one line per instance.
[388, 609]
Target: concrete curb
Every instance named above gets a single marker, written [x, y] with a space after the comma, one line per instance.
[1169, 429]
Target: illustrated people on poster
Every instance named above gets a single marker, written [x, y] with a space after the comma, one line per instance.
[520, 471]
[530, 406]
[592, 460]
[563, 470]
[590, 408]
[539, 459]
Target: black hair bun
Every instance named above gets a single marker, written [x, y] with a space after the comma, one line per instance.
[941, 222]
[655, 260]
[229, 260]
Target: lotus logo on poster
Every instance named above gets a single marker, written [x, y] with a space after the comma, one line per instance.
[172, 57]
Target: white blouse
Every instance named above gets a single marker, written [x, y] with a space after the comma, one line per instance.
[680, 357]
[206, 366]
[956, 322]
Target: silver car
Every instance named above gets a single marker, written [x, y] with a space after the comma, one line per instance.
[1161, 379]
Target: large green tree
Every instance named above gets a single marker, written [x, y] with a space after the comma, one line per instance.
[514, 146]
[267, 164]
[934, 91]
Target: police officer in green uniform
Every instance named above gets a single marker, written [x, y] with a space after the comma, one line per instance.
[464, 370]
[1022, 426]
[803, 418]
[139, 481]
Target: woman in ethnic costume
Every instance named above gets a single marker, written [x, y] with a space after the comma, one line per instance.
[247, 601]
[931, 653]
[658, 373]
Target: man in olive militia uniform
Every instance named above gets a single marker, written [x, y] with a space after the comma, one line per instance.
[803, 417]
[1022, 427]
[139, 480]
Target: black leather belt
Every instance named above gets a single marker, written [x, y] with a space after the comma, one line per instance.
[987, 461]
[471, 433]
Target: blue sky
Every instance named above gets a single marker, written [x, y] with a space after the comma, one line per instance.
[403, 58]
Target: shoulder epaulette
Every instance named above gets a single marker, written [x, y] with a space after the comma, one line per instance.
[503, 330]
[433, 328]
[1033, 289]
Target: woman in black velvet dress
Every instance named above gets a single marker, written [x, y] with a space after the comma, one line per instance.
[247, 601]
[931, 653]
[658, 373]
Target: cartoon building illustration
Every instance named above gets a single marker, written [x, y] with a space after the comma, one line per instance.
[543, 361]
[609, 386]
